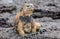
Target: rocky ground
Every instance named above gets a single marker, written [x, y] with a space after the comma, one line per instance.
[50, 28]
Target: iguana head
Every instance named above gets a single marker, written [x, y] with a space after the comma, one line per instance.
[28, 9]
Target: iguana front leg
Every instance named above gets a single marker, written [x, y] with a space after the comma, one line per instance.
[20, 29]
[36, 26]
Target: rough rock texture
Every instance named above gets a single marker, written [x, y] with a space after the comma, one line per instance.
[51, 5]
[50, 28]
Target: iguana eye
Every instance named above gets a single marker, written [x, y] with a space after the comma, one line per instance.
[28, 6]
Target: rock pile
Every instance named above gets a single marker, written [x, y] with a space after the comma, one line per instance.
[4, 24]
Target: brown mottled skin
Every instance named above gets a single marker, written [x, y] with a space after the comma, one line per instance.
[27, 10]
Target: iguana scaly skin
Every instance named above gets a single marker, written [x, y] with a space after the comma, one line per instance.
[23, 22]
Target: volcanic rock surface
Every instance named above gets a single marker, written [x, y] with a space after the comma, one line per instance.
[50, 28]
